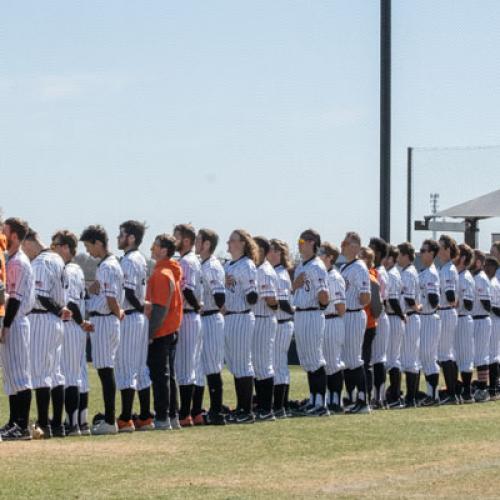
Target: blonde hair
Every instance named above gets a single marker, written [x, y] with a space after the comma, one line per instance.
[368, 255]
[284, 251]
[250, 248]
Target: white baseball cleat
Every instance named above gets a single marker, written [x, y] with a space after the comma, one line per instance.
[103, 428]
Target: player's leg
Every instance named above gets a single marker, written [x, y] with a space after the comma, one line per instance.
[58, 380]
[482, 335]
[333, 347]
[494, 358]
[394, 360]
[410, 364]
[199, 380]
[158, 367]
[379, 359]
[282, 343]
[83, 406]
[464, 352]
[446, 354]
[145, 418]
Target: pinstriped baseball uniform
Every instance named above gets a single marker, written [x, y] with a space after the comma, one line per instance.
[190, 343]
[131, 369]
[309, 319]
[15, 350]
[410, 345]
[495, 322]
[430, 324]
[381, 340]
[448, 277]
[357, 281]
[106, 337]
[334, 325]
[482, 320]
[265, 323]
[75, 339]
[284, 331]
[212, 324]
[46, 329]
[464, 337]
[239, 327]
[397, 326]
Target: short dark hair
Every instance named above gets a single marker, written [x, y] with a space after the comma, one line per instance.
[134, 228]
[466, 251]
[187, 231]
[449, 243]
[94, 233]
[17, 226]
[263, 243]
[329, 250]
[312, 235]
[211, 236]
[491, 261]
[65, 237]
[433, 246]
[31, 235]
[379, 245]
[166, 241]
[408, 249]
[478, 255]
[392, 251]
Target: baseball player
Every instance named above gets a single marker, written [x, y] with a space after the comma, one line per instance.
[105, 311]
[212, 321]
[188, 358]
[490, 268]
[380, 342]
[46, 335]
[410, 344]
[397, 321]
[241, 295]
[279, 257]
[495, 252]
[357, 281]
[448, 277]
[65, 243]
[334, 328]
[15, 333]
[310, 298]
[131, 358]
[265, 331]
[430, 325]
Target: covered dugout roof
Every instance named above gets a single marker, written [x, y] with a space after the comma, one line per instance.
[483, 207]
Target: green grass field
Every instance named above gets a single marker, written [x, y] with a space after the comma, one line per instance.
[443, 452]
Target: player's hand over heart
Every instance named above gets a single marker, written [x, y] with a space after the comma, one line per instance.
[94, 288]
[299, 281]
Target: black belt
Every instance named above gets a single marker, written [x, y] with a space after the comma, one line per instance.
[446, 308]
[263, 316]
[481, 316]
[189, 311]
[331, 316]
[281, 321]
[210, 313]
[128, 312]
[463, 315]
[307, 309]
[428, 314]
[95, 313]
[412, 313]
[38, 311]
[353, 310]
[246, 311]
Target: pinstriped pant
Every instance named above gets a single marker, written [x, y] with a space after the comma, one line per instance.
[239, 330]
[495, 340]
[482, 334]
[334, 343]
[130, 363]
[212, 354]
[449, 318]
[84, 373]
[74, 343]
[309, 338]
[189, 347]
[381, 340]
[395, 340]
[264, 337]
[355, 326]
[430, 328]
[464, 344]
[410, 345]
[105, 341]
[15, 353]
[46, 336]
[284, 334]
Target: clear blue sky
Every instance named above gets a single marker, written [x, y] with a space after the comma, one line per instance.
[262, 115]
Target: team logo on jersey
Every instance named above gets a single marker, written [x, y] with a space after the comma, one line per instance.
[347, 284]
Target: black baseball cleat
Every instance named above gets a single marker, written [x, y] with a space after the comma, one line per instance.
[231, 417]
[58, 431]
[15, 433]
[449, 400]
[265, 416]
[318, 411]
[378, 404]
[360, 408]
[242, 417]
[98, 417]
[467, 398]
[85, 429]
[6, 428]
[215, 419]
[410, 404]
[395, 405]
[428, 401]
[335, 409]
[280, 414]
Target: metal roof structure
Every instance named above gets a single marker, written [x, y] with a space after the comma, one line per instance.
[483, 207]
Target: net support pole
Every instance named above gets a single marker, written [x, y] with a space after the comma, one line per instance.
[385, 119]
[409, 194]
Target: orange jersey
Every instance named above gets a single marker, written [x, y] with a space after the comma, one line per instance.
[371, 322]
[3, 276]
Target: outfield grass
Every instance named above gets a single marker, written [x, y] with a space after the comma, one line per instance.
[441, 452]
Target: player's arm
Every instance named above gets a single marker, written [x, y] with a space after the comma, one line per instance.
[133, 300]
[484, 295]
[191, 299]
[249, 279]
[432, 288]
[215, 280]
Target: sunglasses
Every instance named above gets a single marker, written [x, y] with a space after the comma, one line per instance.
[424, 250]
[303, 240]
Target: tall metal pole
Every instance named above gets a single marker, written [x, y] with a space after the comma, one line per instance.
[409, 193]
[385, 119]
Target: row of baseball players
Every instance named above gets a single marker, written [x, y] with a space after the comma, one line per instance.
[244, 315]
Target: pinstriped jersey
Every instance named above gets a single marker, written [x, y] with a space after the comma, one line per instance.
[482, 292]
[267, 286]
[466, 290]
[410, 286]
[429, 283]
[316, 280]
[336, 287]
[212, 279]
[357, 281]
[244, 275]
[20, 283]
[448, 279]
[495, 295]
[134, 269]
[74, 285]
[48, 270]
[191, 276]
[383, 279]
[109, 274]
[284, 290]
[394, 288]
